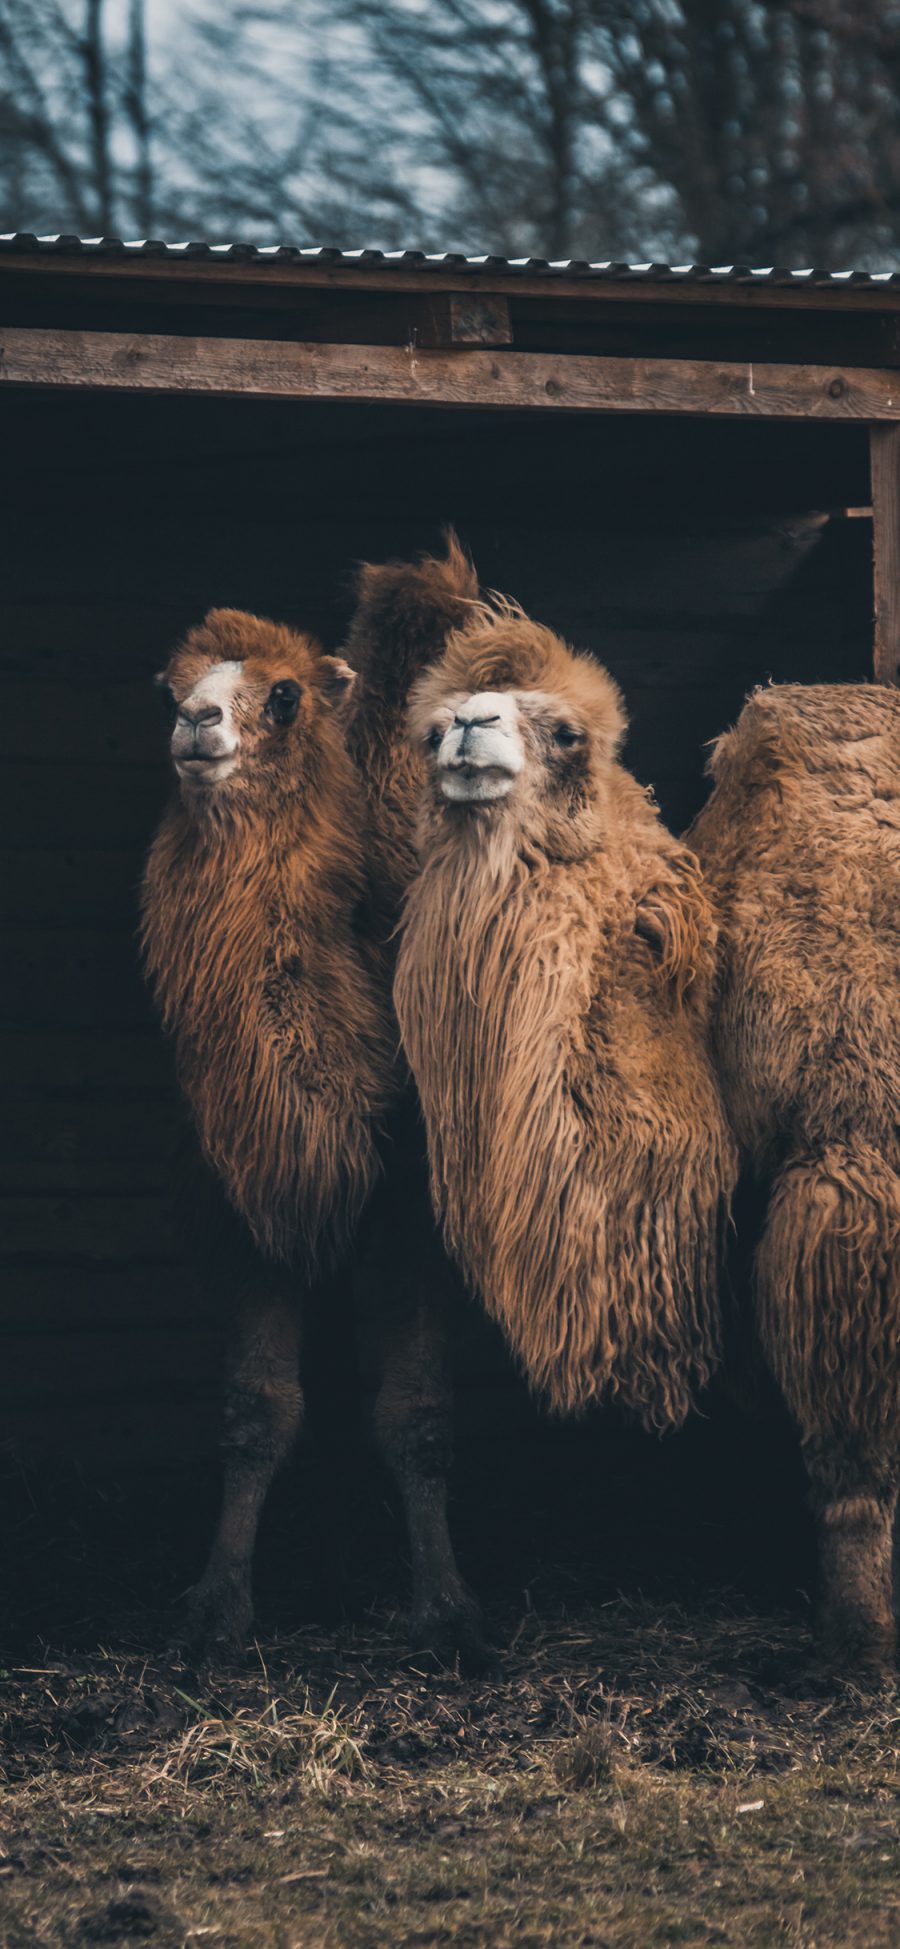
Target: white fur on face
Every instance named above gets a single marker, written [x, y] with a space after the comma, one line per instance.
[204, 748]
[481, 753]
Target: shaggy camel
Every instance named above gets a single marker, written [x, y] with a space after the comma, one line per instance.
[553, 989]
[286, 1052]
[404, 613]
[800, 841]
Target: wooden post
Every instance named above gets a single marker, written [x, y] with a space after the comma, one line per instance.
[884, 456]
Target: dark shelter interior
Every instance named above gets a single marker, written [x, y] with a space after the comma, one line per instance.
[695, 559]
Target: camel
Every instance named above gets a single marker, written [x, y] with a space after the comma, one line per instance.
[403, 615]
[254, 933]
[800, 843]
[553, 989]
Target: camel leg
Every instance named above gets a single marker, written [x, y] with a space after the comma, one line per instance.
[263, 1408]
[408, 1320]
[855, 1509]
[827, 1300]
[413, 1423]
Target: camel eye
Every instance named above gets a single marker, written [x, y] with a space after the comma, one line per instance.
[565, 734]
[283, 701]
[435, 738]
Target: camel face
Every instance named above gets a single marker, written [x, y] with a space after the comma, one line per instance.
[481, 752]
[498, 741]
[234, 718]
[206, 735]
[530, 763]
[520, 730]
[246, 699]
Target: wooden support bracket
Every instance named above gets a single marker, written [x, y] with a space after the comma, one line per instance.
[464, 318]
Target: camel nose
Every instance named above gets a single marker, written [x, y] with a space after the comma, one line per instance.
[475, 723]
[210, 714]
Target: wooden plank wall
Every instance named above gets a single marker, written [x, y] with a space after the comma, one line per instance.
[695, 559]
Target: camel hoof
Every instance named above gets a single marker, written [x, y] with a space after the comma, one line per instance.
[451, 1632]
[214, 1627]
[850, 1646]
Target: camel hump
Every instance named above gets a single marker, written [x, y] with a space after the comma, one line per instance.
[406, 610]
[810, 728]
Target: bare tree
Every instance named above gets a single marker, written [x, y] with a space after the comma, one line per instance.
[496, 109]
[776, 127]
[729, 130]
[64, 93]
[39, 85]
[726, 130]
[93, 52]
[259, 141]
[137, 111]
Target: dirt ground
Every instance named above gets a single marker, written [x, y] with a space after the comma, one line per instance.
[626, 1777]
[654, 1759]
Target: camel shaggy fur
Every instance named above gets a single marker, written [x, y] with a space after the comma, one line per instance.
[800, 841]
[404, 614]
[255, 937]
[553, 989]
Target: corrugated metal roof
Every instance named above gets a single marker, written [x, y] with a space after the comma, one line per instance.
[384, 261]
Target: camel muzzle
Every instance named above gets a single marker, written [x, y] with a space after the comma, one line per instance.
[476, 780]
[481, 752]
[204, 740]
[478, 764]
[200, 744]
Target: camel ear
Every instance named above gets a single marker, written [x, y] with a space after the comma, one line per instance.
[336, 682]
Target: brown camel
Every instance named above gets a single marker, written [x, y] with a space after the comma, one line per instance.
[553, 990]
[403, 616]
[253, 904]
[800, 842]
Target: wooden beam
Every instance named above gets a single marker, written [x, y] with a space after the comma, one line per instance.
[320, 274]
[884, 452]
[271, 369]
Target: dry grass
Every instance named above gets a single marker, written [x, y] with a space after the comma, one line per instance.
[262, 1743]
[630, 1776]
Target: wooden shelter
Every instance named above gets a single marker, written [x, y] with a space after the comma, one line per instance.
[684, 470]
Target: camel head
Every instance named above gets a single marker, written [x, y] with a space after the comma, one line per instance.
[518, 730]
[251, 705]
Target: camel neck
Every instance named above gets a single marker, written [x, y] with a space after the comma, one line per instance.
[287, 852]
